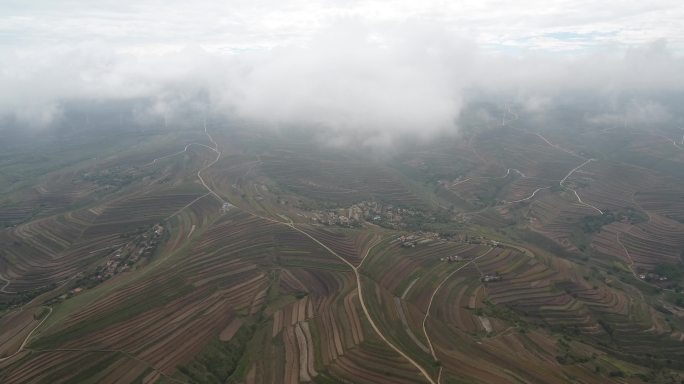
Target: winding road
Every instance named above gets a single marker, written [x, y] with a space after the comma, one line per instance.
[359, 285]
[528, 197]
[7, 283]
[290, 224]
[579, 199]
[508, 172]
[218, 156]
[556, 145]
[26, 340]
[574, 191]
[359, 288]
[432, 298]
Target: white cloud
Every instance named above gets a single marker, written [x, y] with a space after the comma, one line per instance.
[360, 67]
[255, 24]
[350, 79]
[639, 113]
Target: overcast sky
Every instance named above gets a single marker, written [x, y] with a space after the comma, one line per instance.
[343, 64]
[237, 25]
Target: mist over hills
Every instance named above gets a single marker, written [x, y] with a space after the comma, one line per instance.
[372, 192]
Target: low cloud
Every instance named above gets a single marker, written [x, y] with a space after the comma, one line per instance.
[634, 113]
[351, 80]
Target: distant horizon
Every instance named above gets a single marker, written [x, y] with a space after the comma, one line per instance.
[153, 26]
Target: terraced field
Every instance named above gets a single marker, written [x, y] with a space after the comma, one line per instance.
[524, 265]
[344, 181]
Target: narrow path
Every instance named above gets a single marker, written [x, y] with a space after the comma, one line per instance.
[28, 337]
[406, 291]
[575, 169]
[574, 191]
[199, 175]
[556, 145]
[176, 153]
[167, 156]
[579, 199]
[187, 205]
[631, 265]
[218, 156]
[359, 288]
[518, 172]
[7, 283]
[673, 141]
[508, 172]
[432, 298]
[677, 145]
[629, 257]
[528, 197]
[290, 224]
[507, 110]
[26, 340]
[107, 248]
[199, 172]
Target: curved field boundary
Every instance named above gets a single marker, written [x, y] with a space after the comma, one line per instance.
[574, 191]
[127, 354]
[363, 303]
[7, 283]
[26, 340]
[528, 197]
[432, 297]
[353, 268]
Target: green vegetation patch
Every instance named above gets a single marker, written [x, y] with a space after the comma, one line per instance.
[675, 298]
[157, 296]
[501, 312]
[219, 360]
[594, 223]
[670, 271]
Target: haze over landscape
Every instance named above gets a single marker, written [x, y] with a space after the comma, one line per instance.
[341, 192]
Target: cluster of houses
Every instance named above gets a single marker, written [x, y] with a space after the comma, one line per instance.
[490, 278]
[114, 177]
[340, 217]
[370, 211]
[650, 276]
[142, 245]
[420, 237]
[482, 240]
[385, 212]
[226, 207]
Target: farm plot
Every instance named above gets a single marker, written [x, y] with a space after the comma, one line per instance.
[344, 182]
[54, 249]
[556, 216]
[16, 326]
[526, 152]
[557, 295]
[143, 209]
[666, 201]
[548, 292]
[349, 244]
[395, 267]
[168, 315]
[47, 251]
[610, 185]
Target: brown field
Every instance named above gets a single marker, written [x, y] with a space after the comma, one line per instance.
[242, 287]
